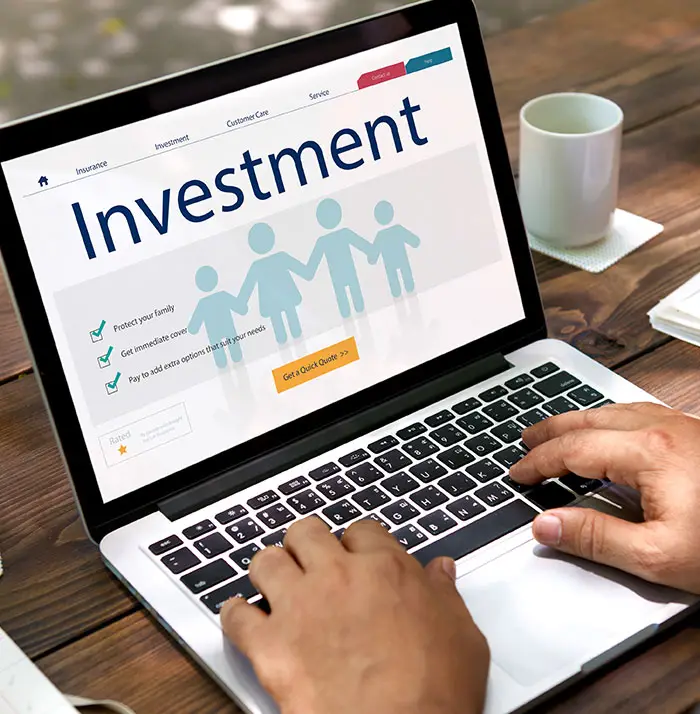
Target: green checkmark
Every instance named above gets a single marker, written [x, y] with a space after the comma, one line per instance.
[98, 331]
[113, 385]
[105, 358]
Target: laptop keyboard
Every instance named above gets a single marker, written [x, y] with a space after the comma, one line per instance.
[440, 486]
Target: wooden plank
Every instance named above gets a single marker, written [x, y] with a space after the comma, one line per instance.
[135, 662]
[55, 587]
[14, 357]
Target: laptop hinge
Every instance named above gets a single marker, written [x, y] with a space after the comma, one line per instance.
[351, 427]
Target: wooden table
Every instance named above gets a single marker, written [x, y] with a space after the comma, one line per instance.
[91, 637]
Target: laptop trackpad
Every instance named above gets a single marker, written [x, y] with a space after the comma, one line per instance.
[543, 612]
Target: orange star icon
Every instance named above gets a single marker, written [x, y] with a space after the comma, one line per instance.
[122, 449]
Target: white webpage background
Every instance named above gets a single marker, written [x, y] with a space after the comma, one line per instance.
[389, 341]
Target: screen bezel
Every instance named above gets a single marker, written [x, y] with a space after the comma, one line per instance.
[173, 93]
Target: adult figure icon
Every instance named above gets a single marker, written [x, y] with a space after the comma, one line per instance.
[215, 313]
[278, 294]
[390, 245]
[336, 248]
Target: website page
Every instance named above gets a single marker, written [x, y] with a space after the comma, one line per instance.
[214, 273]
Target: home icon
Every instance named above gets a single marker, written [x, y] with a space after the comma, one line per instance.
[43, 182]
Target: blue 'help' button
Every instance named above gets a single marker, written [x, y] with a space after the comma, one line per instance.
[431, 60]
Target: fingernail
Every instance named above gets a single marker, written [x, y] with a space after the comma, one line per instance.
[547, 530]
[450, 567]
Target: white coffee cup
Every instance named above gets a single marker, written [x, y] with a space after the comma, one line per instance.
[570, 167]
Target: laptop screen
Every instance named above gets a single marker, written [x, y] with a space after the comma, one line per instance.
[219, 271]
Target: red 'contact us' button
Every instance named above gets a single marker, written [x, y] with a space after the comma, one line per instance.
[378, 76]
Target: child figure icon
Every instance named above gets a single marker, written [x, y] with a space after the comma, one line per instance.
[278, 294]
[215, 313]
[390, 245]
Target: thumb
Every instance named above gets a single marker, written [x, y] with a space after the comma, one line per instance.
[442, 571]
[597, 537]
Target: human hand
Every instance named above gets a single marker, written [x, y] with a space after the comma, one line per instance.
[359, 627]
[646, 446]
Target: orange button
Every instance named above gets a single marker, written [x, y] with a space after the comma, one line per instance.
[316, 364]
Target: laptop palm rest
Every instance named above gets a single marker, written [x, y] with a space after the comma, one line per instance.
[544, 612]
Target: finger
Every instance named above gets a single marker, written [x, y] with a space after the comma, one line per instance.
[369, 537]
[273, 571]
[614, 416]
[619, 456]
[598, 537]
[311, 543]
[442, 572]
[242, 624]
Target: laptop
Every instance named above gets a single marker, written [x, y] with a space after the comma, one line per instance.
[297, 282]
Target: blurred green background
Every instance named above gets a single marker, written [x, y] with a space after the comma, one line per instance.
[53, 52]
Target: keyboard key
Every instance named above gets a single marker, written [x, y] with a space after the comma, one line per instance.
[437, 522]
[429, 498]
[244, 530]
[447, 435]
[533, 417]
[457, 484]
[393, 461]
[585, 396]
[556, 384]
[382, 445]
[490, 395]
[163, 546]
[354, 458]
[410, 536]
[494, 494]
[264, 499]
[467, 406]
[550, 495]
[371, 498]
[420, 448]
[400, 512]
[476, 535]
[238, 588]
[519, 382]
[509, 457]
[323, 472]
[606, 403]
[306, 502]
[579, 485]
[207, 577]
[500, 411]
[276, 516]
[381, 521]
[198, 530]
[401, 484]
[341, 512]
[364, 474]
[466, 508]
[508, 432]
[411, 432]
[335, 488]
[483, 445]
[485, 471]
[544, 370]
[231, 515]
[428, 470]
[180, 560]
[213, 545]
[517, 487]
[244, 556]
[525, 399]
[275, 540]
[440, 418]
[474, 423]
[296, 484]
[560, 405]
[456, 457]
